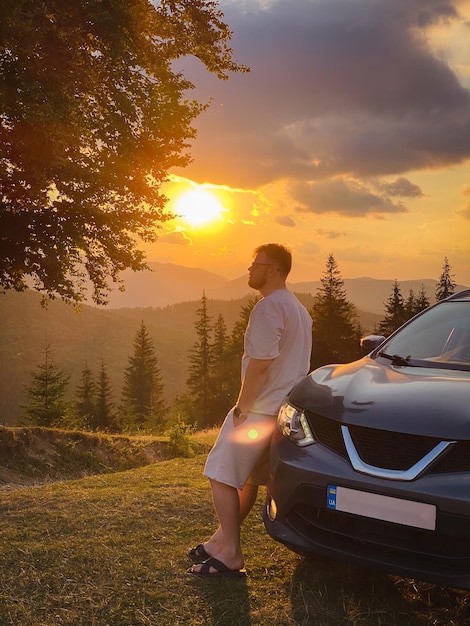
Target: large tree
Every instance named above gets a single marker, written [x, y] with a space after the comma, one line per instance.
[219, 397]
[104, 417]
[93, 114]
[200, 366]
[47, 406]
[234, 350]
[335, 331]
[85, 399]
[143, 392]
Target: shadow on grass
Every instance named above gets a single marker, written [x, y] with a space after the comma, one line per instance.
[228, 599]
[328, 592]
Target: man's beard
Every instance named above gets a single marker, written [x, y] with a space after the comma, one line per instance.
[256, 284]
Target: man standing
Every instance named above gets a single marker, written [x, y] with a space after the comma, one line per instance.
[278, 342]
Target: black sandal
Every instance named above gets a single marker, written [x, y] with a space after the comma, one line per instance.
[198, 554]
[222, 571]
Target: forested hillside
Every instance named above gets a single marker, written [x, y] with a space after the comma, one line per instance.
[90, 335]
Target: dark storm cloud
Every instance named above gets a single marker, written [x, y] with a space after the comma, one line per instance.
[337, 87]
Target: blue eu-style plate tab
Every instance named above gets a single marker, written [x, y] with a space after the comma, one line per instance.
[331, 497]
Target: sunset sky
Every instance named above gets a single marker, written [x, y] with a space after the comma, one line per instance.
[350, 135]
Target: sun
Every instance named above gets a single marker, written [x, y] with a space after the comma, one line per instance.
[199, 208]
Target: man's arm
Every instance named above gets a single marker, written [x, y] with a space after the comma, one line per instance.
[255, 376]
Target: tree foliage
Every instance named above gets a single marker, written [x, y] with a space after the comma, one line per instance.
[214, 370]
[398, 310]
[219, 397]
[47, 393]
[85, 400]
[143, 391]
[93, 114]
[446, 285]
[395, 311]
[416, 303]
[200, 366]
[234, 351]
[105, 417]
[335, 332]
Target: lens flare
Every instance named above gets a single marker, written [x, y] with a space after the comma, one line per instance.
[256, 434]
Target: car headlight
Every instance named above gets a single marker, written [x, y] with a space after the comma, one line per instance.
[293, 425]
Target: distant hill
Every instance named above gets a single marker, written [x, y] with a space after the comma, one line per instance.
[169, 284]
[163, 284]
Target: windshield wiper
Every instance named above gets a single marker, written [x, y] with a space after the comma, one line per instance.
[396, 359]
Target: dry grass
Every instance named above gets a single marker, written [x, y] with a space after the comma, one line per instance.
[34, 455]
[111, 550]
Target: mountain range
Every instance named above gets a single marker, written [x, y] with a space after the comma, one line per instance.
[166, 283]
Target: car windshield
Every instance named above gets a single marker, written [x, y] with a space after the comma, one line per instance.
[438, 338]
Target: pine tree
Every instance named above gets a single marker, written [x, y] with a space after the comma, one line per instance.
[422, 300]
[85, 402]
[143, 392]
[410, 304]
[446, 285]
[234, 351]
[219, 399]
[200, 359]
[415, 303]
[47, 392]
[335, 331]
[104, 406]
[395, 312]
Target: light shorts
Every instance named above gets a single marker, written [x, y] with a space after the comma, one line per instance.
[241, 454]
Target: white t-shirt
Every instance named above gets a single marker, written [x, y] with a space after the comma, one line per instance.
[279, 328]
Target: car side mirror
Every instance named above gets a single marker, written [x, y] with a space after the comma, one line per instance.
[371, 342]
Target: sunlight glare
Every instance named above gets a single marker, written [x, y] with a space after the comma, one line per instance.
[198, 208]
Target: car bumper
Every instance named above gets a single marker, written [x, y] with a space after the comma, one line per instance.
[297, 515]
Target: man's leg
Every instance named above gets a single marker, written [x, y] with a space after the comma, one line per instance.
[231, 507]
[247, 497]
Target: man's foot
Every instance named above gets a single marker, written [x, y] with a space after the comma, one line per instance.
[213, 568]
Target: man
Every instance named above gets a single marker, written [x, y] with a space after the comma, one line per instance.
[277, 348]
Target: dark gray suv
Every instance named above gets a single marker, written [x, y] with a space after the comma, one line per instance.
[371, 462]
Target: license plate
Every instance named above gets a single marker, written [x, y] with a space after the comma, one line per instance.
[386, 508]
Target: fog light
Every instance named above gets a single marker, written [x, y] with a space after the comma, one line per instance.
[271, 509]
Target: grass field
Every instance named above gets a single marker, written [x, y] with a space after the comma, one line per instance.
[111, 550]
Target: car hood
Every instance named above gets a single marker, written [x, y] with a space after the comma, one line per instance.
[410, 400]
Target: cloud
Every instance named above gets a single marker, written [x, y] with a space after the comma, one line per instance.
[308, 248]
[360, 254]
[337, 87]
[401, 187]
[465, 212]
[346, 198]
[177, 237]
[285, 220]
[330, 234]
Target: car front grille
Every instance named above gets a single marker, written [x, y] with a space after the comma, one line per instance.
[389, 450]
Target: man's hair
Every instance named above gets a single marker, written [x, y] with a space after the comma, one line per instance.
[278, 253]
